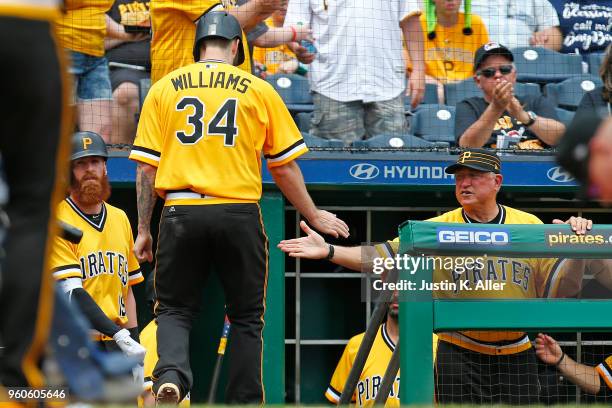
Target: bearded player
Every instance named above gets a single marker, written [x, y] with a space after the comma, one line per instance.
[98, 273]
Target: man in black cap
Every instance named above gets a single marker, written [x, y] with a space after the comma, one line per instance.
[500, 118]
[484, 367]
[586, 152]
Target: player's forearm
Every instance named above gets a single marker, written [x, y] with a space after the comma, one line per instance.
[583, 376]
[349, 257]
[96, 316]
[289, 180]
[145, 195]
[130, 309]
[480, 131]
[548, 130]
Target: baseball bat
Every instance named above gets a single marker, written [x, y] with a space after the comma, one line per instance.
[389, 378]
[212, 392]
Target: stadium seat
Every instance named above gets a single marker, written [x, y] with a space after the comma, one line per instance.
[595, 60]
[398, 141]
[315, 141]
[458, 91]
[567, 94]
[541, 65]
[302, 120]
[431, 96]
[294, 89]
[434, 123]
[565, 116]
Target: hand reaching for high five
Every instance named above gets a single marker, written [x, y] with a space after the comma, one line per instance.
[328, 223]
[312, 246]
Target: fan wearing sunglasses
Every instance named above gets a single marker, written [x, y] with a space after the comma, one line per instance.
[499, 118]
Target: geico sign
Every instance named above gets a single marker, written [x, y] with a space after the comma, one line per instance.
[446, 236]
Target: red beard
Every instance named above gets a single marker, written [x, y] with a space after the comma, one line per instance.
[90, 189]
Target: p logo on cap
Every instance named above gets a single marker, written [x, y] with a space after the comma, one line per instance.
[464, 156]
[86, 142]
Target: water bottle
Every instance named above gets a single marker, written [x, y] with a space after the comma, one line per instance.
[310, 47]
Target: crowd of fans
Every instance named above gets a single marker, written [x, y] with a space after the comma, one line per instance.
[367, 66]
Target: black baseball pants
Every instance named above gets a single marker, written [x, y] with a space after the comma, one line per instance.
[466, 377]
[35, 132]
[193, 240]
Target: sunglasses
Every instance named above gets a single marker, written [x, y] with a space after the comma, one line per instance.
[490, 72]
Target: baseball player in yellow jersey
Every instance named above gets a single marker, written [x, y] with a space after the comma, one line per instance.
[502, 364]
[98, 273]
[173, 23]
[202, 132]
[594, 380]
[376, 364]
[35, 124]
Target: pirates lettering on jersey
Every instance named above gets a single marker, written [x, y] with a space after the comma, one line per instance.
[211, 79]
[367, 389]
[97, 263]
[511, 271]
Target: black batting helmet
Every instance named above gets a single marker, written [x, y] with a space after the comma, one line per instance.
[86, 144]
[218, 24]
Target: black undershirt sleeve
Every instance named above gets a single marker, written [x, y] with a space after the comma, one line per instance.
[94, 314]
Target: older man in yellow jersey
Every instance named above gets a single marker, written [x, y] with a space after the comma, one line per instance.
[474, 366]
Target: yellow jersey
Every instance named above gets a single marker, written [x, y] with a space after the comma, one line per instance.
[205, 127]
[82, 27]
[450, 55]
[103, 260]
[605, 371]
[519, 279]
[148, 340]
[173, 23]
[373, 371]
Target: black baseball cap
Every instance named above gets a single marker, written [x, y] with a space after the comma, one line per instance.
[491, 48]
[477, 159]
[573, 149]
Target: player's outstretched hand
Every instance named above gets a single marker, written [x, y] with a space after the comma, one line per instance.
[579, 225]
[128, 345]
[312, 246]
[328, 223]
[143, 247]
[547, 349]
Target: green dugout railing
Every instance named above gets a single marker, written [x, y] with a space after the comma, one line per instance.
[420, 314]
